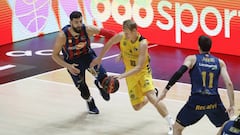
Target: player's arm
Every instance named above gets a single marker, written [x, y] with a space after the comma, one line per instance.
[187, 64]
[229, 86]
[93, 30]
[59, 42]
[143, 48]
[114, 40]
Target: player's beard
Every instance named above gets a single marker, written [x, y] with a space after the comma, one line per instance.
[76, 29]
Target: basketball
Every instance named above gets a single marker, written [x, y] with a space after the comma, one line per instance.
[110, 84]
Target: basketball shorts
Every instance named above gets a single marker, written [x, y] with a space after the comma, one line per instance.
[138, 85]
[199, 105]
[83, 64]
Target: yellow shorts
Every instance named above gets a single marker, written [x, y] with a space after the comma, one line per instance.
[138, 85]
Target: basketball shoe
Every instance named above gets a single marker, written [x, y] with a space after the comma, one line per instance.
[170, 132]
[92, 107]
[170, 121]
[104, 94]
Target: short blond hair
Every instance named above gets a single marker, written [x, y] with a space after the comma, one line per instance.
[129, 24]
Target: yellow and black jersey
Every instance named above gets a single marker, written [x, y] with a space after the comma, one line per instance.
[130, 53]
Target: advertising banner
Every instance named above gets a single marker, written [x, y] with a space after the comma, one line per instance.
[175, 23]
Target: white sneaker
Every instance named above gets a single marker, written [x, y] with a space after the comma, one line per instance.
[170, 132]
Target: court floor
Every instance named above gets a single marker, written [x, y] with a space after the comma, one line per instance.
[49, 104]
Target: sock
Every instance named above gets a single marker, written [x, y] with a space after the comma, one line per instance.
[169, 119]
[89, 99]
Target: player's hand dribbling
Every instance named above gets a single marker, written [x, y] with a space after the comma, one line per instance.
[73, 70]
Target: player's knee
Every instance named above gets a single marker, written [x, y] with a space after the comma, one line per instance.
[137, 107]
[151, 97]
[177, 128]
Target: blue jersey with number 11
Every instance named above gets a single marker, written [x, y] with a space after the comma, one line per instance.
[205, 74]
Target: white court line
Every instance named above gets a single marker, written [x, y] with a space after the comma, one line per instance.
[115, 55]
[72, 85]
[7, 67]
[13, 82]
[111, 56]
[154, 45]
[96, 89]
[123, 93]
[107, 57]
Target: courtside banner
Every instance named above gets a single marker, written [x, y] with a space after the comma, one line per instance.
[175, 23]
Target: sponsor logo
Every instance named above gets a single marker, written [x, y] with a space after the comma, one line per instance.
[221, 18]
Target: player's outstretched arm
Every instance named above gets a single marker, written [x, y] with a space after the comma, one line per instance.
[188, 63]
[114, 40]
[93, 30]
[162, 95]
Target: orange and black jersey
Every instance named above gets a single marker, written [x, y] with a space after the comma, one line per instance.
[70, 49]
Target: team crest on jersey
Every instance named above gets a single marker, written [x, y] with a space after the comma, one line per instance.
[80, 45]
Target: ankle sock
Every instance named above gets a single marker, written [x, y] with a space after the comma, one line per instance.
[89, 99]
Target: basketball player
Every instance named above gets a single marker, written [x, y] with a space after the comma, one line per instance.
[74, 43]
[204, 70]
[134, 53]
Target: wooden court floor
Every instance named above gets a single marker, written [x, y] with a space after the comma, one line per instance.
[49, 104]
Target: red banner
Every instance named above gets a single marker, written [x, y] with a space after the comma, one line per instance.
[6, 23]
[177, 23]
